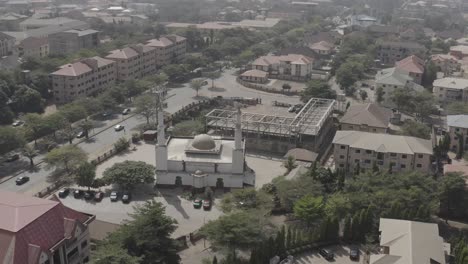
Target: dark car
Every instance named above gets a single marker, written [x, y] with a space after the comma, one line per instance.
[89, 195]
[22, 180]
[126, 111]
[12, 158]
[114, 196]
[98, 196]
[327, 254]
[206, 204]
[197, 203]
[126, 197]
[354, 254]
[64, 193]
[78, 194]
[82, 134]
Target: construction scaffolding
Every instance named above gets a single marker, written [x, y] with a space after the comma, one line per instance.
[308, 121]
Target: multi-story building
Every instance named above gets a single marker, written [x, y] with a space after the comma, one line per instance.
[322, 48]
[291, 66]
[39, 231]
[34, 47]
[450, 89]
[367, 117]
[364, 150]
[457, 127]
[83, 78]
[7, 45]
[169, 49]
[71, 41]
[134, 62]
[392, 79]
[413, 65]
[460, 51]
[11, 21]
[446, 63]
[410, 242]
[389, 52]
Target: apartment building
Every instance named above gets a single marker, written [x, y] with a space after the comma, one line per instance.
[410, 242]
[450, 89]
[83, 78]
[393, 78]
[364, 150]
[169, 49]
[389, 52]
[134, 62]
[34, 47]
[7, 45]
[459, 52]
[457, 127]
[291, 66]
[367, 117]
[446, 63]
[39, 231]
[70, 41]
[413, 65]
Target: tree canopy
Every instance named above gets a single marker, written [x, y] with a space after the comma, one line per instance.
[68, 157]
[317, 89]
[127, 174]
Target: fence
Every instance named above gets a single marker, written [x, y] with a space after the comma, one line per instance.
[264, 88]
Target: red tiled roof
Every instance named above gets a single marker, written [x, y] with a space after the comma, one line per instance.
[411, 64]
[33, 42]
[73, 69]
[125, 53]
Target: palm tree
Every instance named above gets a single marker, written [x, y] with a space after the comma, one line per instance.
[196, 84]
[30, 152]
[290, 164]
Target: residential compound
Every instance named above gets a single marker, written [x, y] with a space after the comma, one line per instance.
[394, 78]
[367, 118]
[83, 78]
[446, 63]
[457, 127]
[450, 89]
[410, 242]
[26, 235]
[389, 52]
[413, 66]
[71, 41]
[93, 75]
[364, 150]
[291, 66]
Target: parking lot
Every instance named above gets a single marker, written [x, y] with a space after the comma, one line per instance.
[341, 256]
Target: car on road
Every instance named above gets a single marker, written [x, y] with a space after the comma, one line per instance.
[354, 253]
[197, 203]
[17, 123]
[126, 197]
[89, 195]
[82, 134]
[22, 180]
[98, 196]
[126, 111]
[118, 127]
[114, 196]
[12, 158]
[106, 114]
[64, 193]
[78, 194]
[327, 254]
[206, 204]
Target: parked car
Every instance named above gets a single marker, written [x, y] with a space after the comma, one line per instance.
[17, 123]
[106, 114]
[197, 203]
[89, 195]
[327, 254]
[114, 196]
[98, 196]
[118, 127]
[64, 193]
[78, 194]
[22, 180]
[126, 197]
[12, 158]
[206, 204]
[354, 253]
[126, 111]
[82, 134]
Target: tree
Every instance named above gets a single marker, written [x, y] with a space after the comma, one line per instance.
[429, 75]
[337, 205]
[423, 105]
[146, 106]
[286, 87]
[68, 133]
[29, 152]
[27, 100]
[85, 175]
[121, 144]
[127, 174]
[247, 199]
[452, 194]
[348, 73]
[55, 122]
[196, 84]
[89, 104]
[212, 76]
[86, 126]
[363, 95]
[110, 253]
[34, 125]
[289, 164]
[215, 260]
[175, 72]
[73, 112]
[379, 93]
[309, 208]
[401, 97]
[10, 139]
[289, 191]
[461, 146]
[416, 129]
[67, 157]
[317, 89]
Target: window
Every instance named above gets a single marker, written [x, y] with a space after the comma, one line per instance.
[367, 161]
[342, 147]
[356, 161]
[403, 166]
[420, 156]
[392, 154]
[86, 260]
[341, 165]
[84, 244]
[369, 151]
[341, 156]
[418, 165]
[357, 151]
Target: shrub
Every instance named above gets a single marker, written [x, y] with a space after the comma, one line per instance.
[121, 144]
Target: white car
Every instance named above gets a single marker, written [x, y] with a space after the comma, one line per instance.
[119, 127]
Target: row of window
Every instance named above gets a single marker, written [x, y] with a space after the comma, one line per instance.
[392, 154]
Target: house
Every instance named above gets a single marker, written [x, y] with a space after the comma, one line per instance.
[367, 117]
[291, 66]
[391, 79]
[11, 21]
[446, 63]
[410, 242]
[83, 78]
[34, 47]
[413, 65]
[71, 41]
[365, 150]
[256, 76]
[322, 48]
[389, 52]
[37, 231]
[7, 45]
[169, 49]
[457, 126]
[317, 60]
[134, 62]
[450, 89]
[459, 51]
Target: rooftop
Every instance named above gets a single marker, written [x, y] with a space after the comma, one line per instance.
[255, 73]
[369, 114]
[82, 32]
[392, 76]
[322, 45]
[411, 64]
[397, 44]
[460, 48]
[177, 149]
[457, 121]
[452, 83]
[125, 53]
[292, 58]
[73, 69]
[43, 22]
[383, 142]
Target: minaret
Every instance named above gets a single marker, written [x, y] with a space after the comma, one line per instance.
[161, 148]
[238, 151]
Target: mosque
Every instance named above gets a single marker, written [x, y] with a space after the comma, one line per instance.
[203, 160]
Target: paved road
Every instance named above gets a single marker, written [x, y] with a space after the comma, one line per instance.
[226, 86]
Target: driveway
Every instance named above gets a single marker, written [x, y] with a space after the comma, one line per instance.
[341, 256]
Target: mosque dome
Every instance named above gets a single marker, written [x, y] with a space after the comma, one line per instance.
[203, 142]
